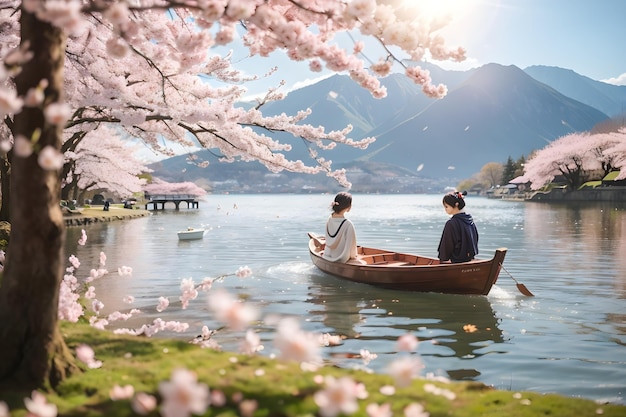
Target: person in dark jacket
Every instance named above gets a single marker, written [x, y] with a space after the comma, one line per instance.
[459, 240]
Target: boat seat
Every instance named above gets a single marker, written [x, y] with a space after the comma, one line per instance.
[392, 263]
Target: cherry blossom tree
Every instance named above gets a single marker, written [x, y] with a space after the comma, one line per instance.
[147, 67]
[577, 157]
[101, 160]
[617, 154]
[608, 148]
[158, 186]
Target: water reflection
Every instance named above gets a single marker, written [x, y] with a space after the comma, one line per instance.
[580, 242]
[446, 325]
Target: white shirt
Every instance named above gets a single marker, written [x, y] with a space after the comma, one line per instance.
[340, 246]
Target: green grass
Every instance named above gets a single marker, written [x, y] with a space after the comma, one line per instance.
[281, 389]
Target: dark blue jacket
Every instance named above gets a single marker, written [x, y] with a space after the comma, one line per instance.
[459, 240]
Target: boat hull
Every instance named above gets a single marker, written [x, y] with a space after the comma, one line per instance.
[191, 234]
[410, 272]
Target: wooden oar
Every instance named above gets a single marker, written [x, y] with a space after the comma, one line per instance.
[521, 287]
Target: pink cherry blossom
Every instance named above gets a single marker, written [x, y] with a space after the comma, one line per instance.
[90, 293]
[98, 323]
[376, 410]
[57, 113]
[125, 271]
[444, 392]
[50, 159]
[22, 147]
[34, 96]
[415, 410]
[188, 290]
[143, 403]
[387, 390]
[367, 356]
[9, 102]
[339, 396]
[251, 343]
[248, 407]
[38, 406]
[218, 398]
[183, 395]
[236, 314]
[4, 409]
[97, 306]
[243, 272]
[85, 354]
[405, 369]
[121, 393]
[83, 238]
[407, 343]
[163, 304]
[69, 307]
[295, 344]
[206, 284]
[74, 261]
[117, 316]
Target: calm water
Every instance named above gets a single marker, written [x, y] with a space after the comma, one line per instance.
[569, 339]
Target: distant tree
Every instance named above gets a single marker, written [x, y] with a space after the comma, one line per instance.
[509, 172]
[619, 158]
[519, 167]
[513, 169]
[577, 158]
[602, 147]
[101, 160]
[491, 174]
[163, 187]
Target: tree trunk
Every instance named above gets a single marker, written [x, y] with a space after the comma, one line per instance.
[33, 352]
[5, 188]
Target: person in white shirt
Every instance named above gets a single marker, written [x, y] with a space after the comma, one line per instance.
[340, 232]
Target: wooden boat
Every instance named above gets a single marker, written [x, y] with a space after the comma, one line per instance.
[402, 271]
[191, 234]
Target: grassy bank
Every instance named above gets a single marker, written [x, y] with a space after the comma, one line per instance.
[95, 214]
[269, 387]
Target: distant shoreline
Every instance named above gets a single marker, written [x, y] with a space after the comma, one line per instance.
[93, 215]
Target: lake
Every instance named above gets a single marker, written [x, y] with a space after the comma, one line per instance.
[568, 339]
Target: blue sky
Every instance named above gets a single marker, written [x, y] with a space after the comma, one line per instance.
[586, 36]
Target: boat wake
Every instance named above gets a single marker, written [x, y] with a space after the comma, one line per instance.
[297, 272]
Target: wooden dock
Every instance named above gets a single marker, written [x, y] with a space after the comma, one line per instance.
[157, 202]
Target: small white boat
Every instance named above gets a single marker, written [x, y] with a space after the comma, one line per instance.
[191, 234]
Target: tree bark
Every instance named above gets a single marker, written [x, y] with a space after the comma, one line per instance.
[33, 352]
[5, 187]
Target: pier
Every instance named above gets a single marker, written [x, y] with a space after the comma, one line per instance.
[157, 202]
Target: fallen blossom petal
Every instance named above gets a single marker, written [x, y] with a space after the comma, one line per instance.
[183, 395]
[143, 403]
[121, 393]
[415, 410]
[38, 406]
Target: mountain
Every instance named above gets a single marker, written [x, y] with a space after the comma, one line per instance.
[497, 112]
[489, 114]
[250, 177]
[608, 98]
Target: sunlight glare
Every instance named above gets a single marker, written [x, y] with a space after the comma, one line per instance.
[439, 9]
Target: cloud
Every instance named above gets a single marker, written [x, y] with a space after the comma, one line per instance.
[619, 80]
